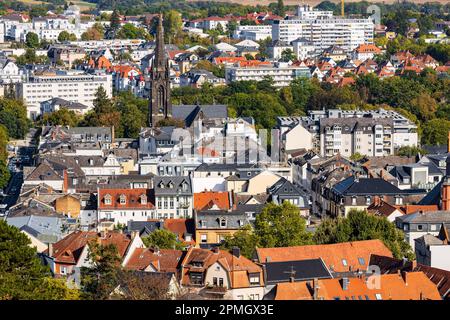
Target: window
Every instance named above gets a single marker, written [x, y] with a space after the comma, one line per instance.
[419, 227]
[107, 199]
[378, 296]
[204, 238]
[354, 201]
[123, 199]
[223, 223]
[368, 200]
[254, 279]
[433, 227]
[361, 261]
[143, 199]
[344, 262]
[220, 282]
[215, 282]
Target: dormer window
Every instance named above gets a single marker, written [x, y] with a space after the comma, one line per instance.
[170, 185]
[107, 199]
[123, 199]
[223, 222]
[184, 186]
[161, 185]
[143, 199]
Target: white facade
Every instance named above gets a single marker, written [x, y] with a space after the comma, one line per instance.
[324, 30]
[9, 72]
[71, 86]
[281, 74]
[303, 49]
[255, 33]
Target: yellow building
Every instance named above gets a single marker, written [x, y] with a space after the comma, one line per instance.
[68, 205]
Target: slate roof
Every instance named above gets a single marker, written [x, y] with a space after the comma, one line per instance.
[162, 185]
[235, 219]
[189, 112]
[144, 227]
[367, 186]
[276, 272]
[426, 217]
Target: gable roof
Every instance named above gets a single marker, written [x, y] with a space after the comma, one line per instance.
[163, 260]
[181, 227]
[207, 199]
[356, 254]
[407, 286]
[300, 270]
[134, 198]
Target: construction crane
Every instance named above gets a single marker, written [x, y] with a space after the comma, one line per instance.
[342, 8]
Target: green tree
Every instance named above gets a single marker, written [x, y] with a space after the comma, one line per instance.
[132, 120]
[280, 9]
[13, 115]
[96, 32]
[32, 40]
[281, 226]
[63, 117]
[172, 25]
[163, 239]
[359, 225]
[287, 55]
[410, 151]
[245, 239]
[115, 21]
[66, 36]
[129, 31]
[102, 278]
[356, 156]
[435, 132]
[22, 276]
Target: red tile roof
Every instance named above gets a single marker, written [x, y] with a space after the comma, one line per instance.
[163, 260]
[407, 286]
[134, 198]
[339, 257]
[206, 199]
[181, 227]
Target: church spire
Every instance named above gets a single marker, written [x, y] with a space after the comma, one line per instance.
[160, 105]
[159, 50]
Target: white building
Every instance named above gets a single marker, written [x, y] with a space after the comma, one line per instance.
[255, 33]
[281, 73]
[303, 49]
[324, 30]
[69, 85]
[9, 72]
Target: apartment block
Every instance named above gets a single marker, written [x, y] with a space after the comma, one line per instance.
[69, 85]
[281, 73]
[324, 30]
[255, 33]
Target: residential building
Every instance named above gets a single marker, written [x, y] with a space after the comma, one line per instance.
[324, 30]
[253, 32]
[418, 224]
[69, 85]
[213, 225]
[281, 73]
[404, 286]
[123, 205]
[173, 197]
[221, 274]
[434, 251]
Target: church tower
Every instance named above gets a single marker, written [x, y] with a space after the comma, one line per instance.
[160, 105]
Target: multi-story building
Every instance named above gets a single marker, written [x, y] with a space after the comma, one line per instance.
[173, 197]
[70, 85]
[123, 205]
[255, 33]
[347, 136]
[372, 133]
[324, 30]
[281, 73]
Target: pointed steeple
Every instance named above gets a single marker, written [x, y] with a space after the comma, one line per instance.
[159, 50]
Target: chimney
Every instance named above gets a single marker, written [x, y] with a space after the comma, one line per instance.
[236, 252]
[448, 142]
[404, 276]
[316, 289]
[413, 265]
[215, 250]
[345, 282]
[268, 259]
[50, 249]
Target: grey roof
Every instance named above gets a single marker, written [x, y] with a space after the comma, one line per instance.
[367, 186]
[189, 112]
[235, 219]
[144, 227]
[429, 239]
[209, 167]
[172, 185]
[351, 124]
[51, 226]
[426, 217]
[89, 130]
[67, 104]
[301, 270]
[284, 187]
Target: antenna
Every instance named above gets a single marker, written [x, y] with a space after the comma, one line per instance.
[292, 273]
